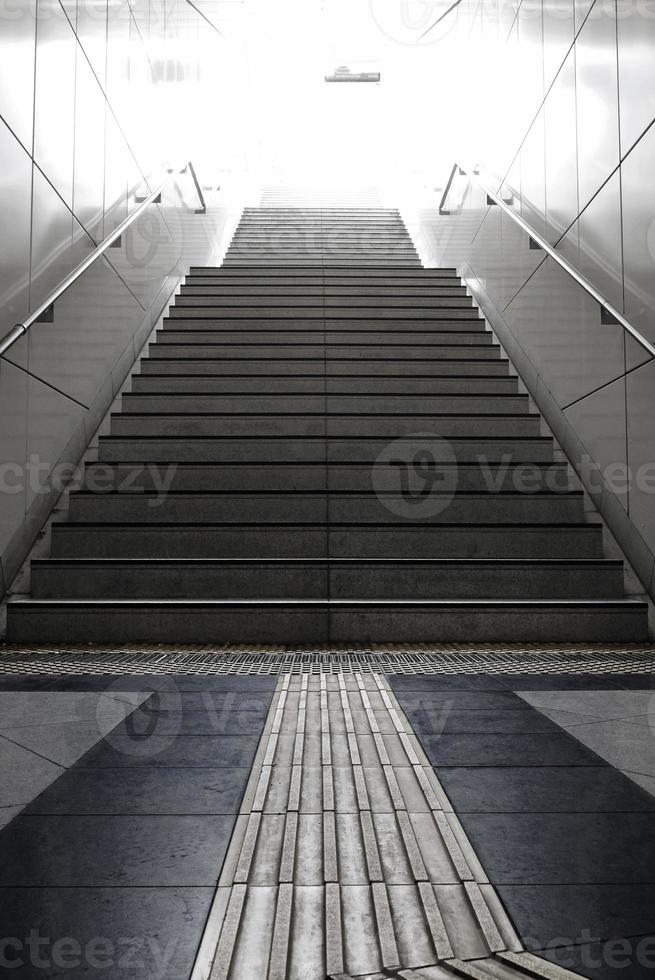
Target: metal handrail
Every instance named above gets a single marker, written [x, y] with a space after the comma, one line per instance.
[20, 329]
[561, 261]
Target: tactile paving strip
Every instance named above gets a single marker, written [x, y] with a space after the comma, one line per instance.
[406, 659]
[347, 859]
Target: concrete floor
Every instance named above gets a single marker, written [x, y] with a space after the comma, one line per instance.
[361, 824]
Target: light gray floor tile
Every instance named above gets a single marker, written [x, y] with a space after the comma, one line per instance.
[23, 774]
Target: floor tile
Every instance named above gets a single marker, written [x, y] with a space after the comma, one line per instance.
[106, 850]
[248, 683]
[622, 744]
[161, 750]
[8, 813]
[24, 774]
[548, 789]
[116, 791]
[564, 682]
[633, 959]
[122, 933]
[460, 700]
[559, 848]
[442, 718]
[22, 708]
[600, 704]
[220, 702]
[446, 682]
[212, 720]
[506, 750]
[62, 744]
[646, 782]
[569, 914]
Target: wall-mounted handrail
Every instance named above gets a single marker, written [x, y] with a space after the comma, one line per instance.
[20, 329]
[561, 261]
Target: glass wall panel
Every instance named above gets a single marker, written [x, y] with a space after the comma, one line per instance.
[17, 69]
[636, 40]
[92, 34]
[561, 153]
[558, 35]
[15, 196]
[597, 101]
[54, 107]
[13, 448]
[637, 174]
[89, 164]
[599, 420]
[593, 245]
[93, 323]
[558, 326]
[641, 451]
[59, 243]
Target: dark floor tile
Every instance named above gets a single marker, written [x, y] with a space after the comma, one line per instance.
[446, 682]
[616, 959]
[563, 682]
[209, 721]
[216, 702]
[461, 700]
[93, 933]
[24, 682]
[246, 683]
[210, 751]
[155, 791]
[636, 682]
[437, 719]
[563, 848]
[507, 750]
[106, 682]
[104, 850]
[568, 915]
[543, 789]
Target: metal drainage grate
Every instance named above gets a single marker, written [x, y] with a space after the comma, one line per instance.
[405, 659]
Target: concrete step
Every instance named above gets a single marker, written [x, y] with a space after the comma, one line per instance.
[345, 326]
[336, 426]
[253, 262]
[373, 386]
[348, 272]
[381, 338]
[362, 450]
[205, 540]
[346, 368]
[387, 507]
[350, 311]
[322, 404]
[312, 621]
[472, 477]
[253, 284]
[85, 578]
[430, 290]
[357, 352]
[247, 336]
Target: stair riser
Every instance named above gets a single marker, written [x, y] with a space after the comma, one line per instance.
[123, 508]
[324, 404]
[293, 626]
[209, 289]
[361, 426]
[376, 388]
[355, 352]
[364, 451]
[322, 339]
[188, 580]
[352, 542]
[324, 302]
[351, 273]
[252, 285]
[317, 366]
[105, 478]
[318, 327]
[319, 312]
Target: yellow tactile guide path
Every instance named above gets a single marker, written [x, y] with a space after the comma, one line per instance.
[347, 858]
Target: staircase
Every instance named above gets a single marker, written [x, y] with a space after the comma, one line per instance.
[346, 457]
